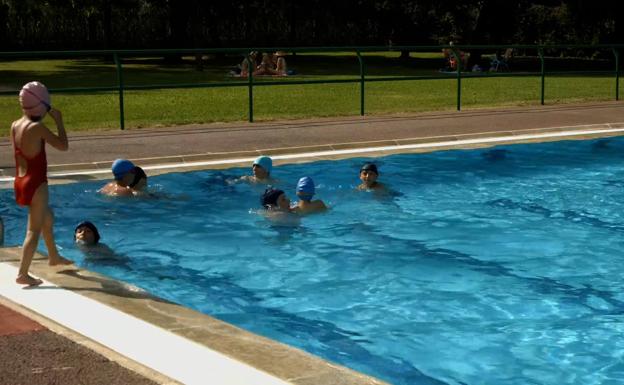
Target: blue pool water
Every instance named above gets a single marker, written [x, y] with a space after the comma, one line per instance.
[495, 266]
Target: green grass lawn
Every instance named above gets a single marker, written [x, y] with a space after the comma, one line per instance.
[153, 108]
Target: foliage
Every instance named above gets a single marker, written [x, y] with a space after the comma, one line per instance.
[94, 24]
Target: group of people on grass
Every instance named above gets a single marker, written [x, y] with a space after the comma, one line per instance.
[266, 64]
[29, 136]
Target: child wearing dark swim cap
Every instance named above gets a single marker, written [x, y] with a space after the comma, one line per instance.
[305, 192]
[139, 179]
[86, 233]
[275, 199]
[368, 176]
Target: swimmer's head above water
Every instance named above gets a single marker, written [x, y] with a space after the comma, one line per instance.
[305, 188]
[275, 199]
[262, 167]
[368, 175]
[128, 175]
[120, 168]
[139, 179]
[86, 233]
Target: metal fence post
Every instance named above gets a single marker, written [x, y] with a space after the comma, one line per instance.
[121, 91]
[362, 81]
[616, 52]
[459, 78]
[543, 73]
[250, 67]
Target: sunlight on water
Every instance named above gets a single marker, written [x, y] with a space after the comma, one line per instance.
[496, 266]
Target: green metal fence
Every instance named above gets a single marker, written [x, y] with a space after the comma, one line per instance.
[361, 78]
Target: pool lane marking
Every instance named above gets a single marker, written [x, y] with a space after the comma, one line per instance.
[174, 356]
[460, 142]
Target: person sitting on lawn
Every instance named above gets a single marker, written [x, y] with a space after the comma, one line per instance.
[280, 66]
[244, 66]
[267, 66]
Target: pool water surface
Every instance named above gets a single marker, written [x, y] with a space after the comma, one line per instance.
[490, 266]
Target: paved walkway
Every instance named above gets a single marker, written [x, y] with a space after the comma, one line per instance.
[34, 355]
[219, 138]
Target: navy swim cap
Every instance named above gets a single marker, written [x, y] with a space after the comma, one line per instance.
[121, 167]
[138, 175]
[270, 196]
[370, 167]
[89, 225]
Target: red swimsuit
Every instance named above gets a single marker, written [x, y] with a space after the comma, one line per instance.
[36, 174]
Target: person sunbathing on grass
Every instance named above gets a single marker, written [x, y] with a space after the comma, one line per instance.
[267, 66]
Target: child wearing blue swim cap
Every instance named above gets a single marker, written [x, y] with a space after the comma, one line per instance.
[305, 192]
[128, 180]
[261, 171]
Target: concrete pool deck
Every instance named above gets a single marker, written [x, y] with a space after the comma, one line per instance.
[200, 143]
[227, 145]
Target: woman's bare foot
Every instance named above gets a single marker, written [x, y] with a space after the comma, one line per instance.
[28, 280]
[58, 260]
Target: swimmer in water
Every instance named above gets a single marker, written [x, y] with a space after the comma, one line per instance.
[261, 171]
[86, 234]
[275, 200]
[368, 176]
[129, 179]
[305, 192]
[87, 239]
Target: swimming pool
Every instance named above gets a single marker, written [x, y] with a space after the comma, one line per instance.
[496, 266]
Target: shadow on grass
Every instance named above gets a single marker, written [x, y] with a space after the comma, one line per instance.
[102, 72]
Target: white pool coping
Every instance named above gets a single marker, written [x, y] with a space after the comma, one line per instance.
[355, 151]
[174, 356]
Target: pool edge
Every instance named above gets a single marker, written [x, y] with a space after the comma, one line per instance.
[73, 172]
[289, 364]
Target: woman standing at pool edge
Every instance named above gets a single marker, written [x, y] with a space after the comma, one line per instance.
[29, 136]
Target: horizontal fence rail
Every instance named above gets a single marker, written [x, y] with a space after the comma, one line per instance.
[361, 78]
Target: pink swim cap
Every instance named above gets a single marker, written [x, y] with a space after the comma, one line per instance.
[34, 99]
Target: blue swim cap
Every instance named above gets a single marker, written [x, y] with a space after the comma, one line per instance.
[265, 162]
[121, 167]
[305, 186]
